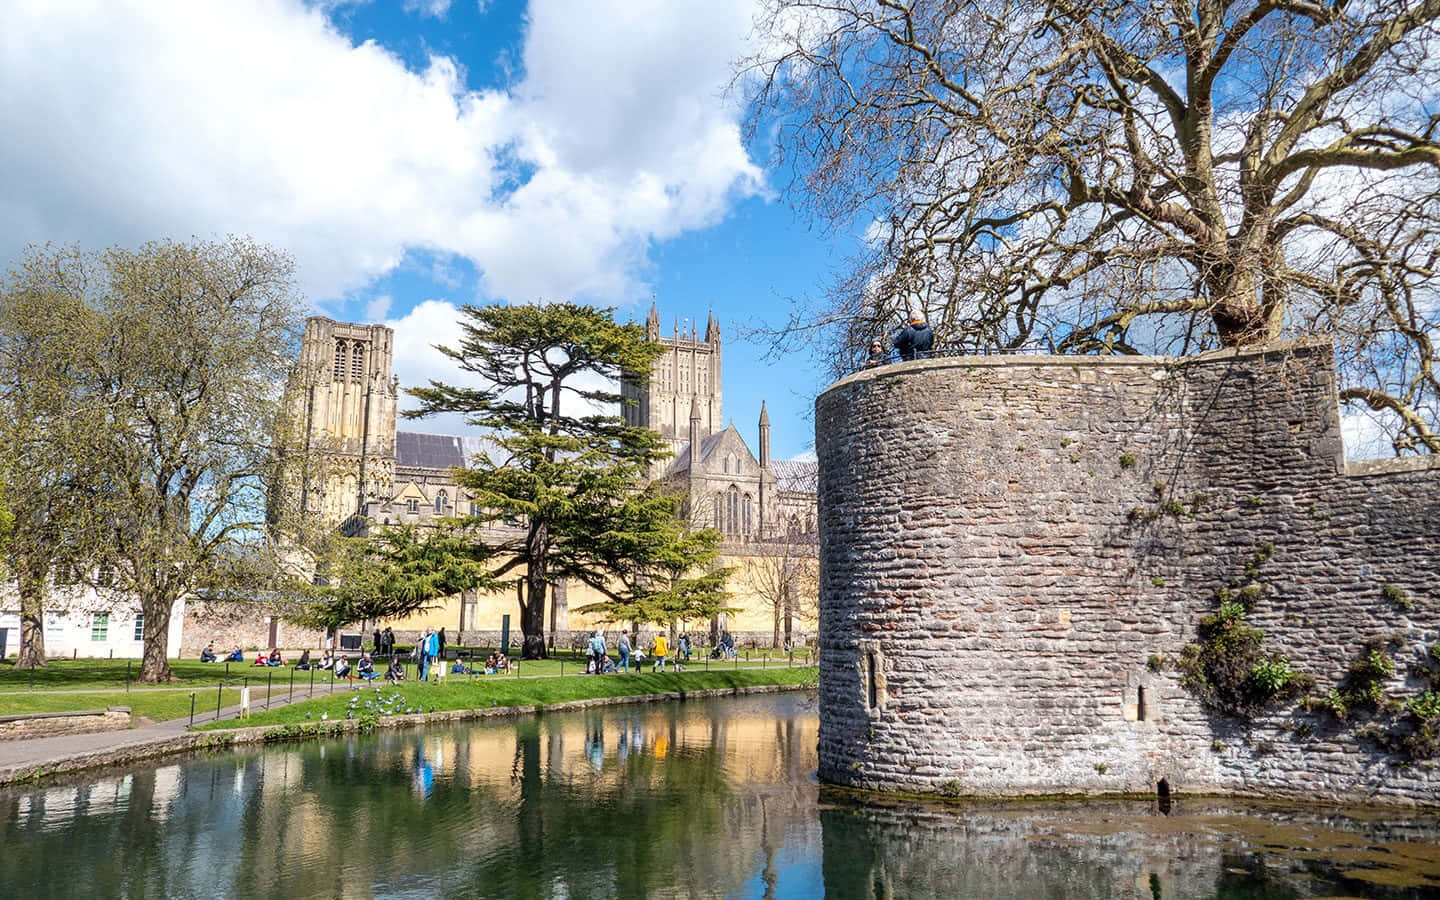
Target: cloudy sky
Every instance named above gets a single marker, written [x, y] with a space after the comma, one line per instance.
[414, 155]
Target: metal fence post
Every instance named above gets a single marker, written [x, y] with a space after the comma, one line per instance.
[192, 707]
[269, 679]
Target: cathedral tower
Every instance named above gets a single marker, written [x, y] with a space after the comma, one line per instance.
[685, 379]
[347, 400]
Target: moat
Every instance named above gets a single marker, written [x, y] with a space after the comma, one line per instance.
[702, 799]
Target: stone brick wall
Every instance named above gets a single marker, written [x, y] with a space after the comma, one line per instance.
[37, 725]
[1006, 542]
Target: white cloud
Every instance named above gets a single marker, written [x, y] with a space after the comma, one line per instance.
[128, 121]
[436, 9]
[377, 308]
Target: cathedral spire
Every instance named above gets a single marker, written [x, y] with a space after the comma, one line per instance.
[652, 322]
[764, 437]
[712, 328]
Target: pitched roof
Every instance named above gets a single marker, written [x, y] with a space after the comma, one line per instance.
[681, 462]
[436, 451]
[796, 474]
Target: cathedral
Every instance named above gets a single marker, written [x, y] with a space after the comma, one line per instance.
[347, 398]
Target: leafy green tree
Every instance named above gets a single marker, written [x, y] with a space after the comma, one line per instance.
[51, 427]
[173, 358]
[569, 476]
[396, 572]
[665, 573]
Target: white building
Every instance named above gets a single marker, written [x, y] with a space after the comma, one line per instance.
[86, 621]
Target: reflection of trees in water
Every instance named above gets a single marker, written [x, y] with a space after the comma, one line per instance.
[515, 809]
[875, 850]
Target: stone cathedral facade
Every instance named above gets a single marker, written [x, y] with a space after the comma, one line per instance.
[347, 399]
[746, 496]
[347, 396]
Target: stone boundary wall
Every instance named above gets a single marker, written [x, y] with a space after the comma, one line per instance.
[54, 724]
[1012, 546]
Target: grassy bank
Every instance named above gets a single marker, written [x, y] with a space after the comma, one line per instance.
[499, 691]
[67, 685]
[156, 706]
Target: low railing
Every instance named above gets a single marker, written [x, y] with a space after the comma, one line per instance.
[951, 350]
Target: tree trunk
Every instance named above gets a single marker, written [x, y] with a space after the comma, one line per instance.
[154, 666]
[32, 618]
[532, 615]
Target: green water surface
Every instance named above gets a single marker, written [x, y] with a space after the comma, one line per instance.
[700, 799]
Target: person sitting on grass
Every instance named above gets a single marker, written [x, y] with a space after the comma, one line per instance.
[395, 673]
[459, 668]
[366, 668]
[261, 659]
[303, 665]
[492, 663]
[327, 661]
[502, 663]
[275, 658]
[236, 655]
[208, 654]
[342, 667]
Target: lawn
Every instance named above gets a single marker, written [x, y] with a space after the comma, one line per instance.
[528, 692]
[153, 705]
[101, 674]
[65, 684]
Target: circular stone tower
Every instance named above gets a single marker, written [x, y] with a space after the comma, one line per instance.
[1015, 550]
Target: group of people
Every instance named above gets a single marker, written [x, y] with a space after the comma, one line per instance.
[208, 654]
[598, 661]
[914, 341]
[273, 658]
[384, 642]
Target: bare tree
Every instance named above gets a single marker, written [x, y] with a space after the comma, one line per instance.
[1124, 177]
[784, 572]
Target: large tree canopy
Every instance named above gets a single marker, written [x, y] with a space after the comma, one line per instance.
[391, 574]
[1125, 177]
[562, 488]
[177, 376]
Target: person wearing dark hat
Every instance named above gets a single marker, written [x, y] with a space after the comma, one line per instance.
[914, 340]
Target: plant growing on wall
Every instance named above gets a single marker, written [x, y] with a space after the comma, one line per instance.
[1408, 727]
[1228, 670]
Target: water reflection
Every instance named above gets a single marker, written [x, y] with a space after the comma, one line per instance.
[708, 799]
[1103, 849]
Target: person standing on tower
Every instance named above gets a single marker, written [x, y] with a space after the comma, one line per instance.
[914, 340]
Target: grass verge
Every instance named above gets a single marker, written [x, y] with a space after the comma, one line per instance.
[521, 693]
[154, 705]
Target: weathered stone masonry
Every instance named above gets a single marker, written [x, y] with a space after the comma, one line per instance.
[1006, 542]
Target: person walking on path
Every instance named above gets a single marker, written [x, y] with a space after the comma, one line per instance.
[624, 646]
[597, 653]
[659, 651]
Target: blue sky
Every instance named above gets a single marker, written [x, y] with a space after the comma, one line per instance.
[415, 155]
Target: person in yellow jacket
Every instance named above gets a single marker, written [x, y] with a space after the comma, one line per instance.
[659, 651]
